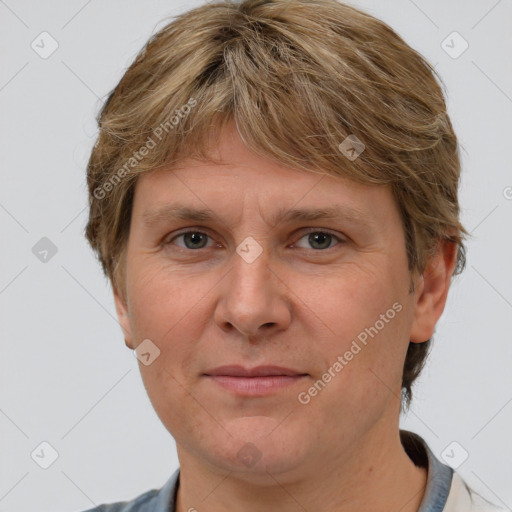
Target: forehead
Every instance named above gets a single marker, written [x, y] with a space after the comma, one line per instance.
[248, 183]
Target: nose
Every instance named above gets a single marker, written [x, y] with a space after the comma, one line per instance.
[255, 300]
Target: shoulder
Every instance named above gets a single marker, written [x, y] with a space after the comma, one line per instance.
[464, 499]
[139, 504]
[155, 500]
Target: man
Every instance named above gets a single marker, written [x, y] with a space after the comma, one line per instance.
[273, 195]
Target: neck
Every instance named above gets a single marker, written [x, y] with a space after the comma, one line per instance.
[375, 471]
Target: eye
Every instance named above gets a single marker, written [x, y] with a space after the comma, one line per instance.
[192, 239]
[320, 239]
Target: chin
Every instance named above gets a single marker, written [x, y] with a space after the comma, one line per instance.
[259, 445]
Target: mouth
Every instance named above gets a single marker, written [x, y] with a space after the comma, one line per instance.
[258, 381]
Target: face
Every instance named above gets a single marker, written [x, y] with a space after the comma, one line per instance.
[327, 299]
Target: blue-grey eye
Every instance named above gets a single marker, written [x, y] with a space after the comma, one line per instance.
[319, 239]
[193, 239]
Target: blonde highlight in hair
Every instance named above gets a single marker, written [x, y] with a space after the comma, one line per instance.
[297, 77]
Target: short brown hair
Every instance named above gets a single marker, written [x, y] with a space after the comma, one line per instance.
[298, 77]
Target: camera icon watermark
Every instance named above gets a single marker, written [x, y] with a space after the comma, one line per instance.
[44, 250]
[352, 147]
[248, 455]
[44, 45]
[249, 249]
[507, 193]
[454, 455]
[146, 352]
[454, 45]
[44, 455]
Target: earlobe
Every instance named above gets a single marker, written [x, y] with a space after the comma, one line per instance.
[432, 291]
[123, 316]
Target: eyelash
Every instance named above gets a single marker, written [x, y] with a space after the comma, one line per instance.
[312, 230]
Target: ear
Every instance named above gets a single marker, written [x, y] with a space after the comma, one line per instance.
[432, 291]
[123, 316]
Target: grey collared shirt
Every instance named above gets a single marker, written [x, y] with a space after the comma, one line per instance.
[439, 491]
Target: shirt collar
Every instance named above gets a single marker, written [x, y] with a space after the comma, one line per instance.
[439, 477]
[166, 498]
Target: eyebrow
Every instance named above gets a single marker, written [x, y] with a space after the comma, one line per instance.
[178, 211]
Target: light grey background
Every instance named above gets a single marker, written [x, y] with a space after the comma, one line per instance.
[66, 376]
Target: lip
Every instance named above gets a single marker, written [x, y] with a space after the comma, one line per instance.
[257, 371]
[258, 381]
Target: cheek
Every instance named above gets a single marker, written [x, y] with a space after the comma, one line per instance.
[170, 310]
[351, 301]
[161, 300]
[162, 304]
[365, 314]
